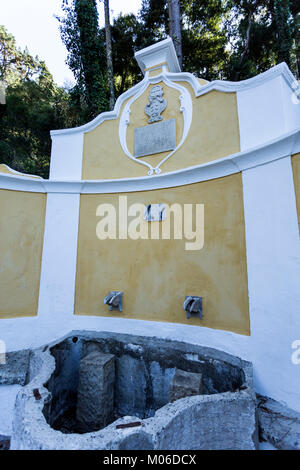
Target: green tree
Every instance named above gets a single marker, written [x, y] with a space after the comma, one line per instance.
[86, 56]
[34, 105]
[154, 16]
[16, 65]
[261, 34]
[282, 14]
[295, 12]
[249, 29]
[230, 39]
[203, 36]
[127, 38]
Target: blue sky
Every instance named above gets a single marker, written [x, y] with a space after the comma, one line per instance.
[33, 24]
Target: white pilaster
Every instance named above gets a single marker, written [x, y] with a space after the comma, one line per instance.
[58, 274]
[261, 113]
[273, 260]
[66, 156]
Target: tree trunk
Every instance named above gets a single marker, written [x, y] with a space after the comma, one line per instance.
[246, 50]
[110, 71]
[297, 42]
[175, 27]
[284, 33]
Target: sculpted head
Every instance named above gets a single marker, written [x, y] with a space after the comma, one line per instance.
[156, 92]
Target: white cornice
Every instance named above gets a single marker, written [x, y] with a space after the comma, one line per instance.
[199, 90]
[228, 87]
[284, 146]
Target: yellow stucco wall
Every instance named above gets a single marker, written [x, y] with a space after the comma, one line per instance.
[214, 134]
[296, 175]
[22, 216]
[156, 275]
[6, 169]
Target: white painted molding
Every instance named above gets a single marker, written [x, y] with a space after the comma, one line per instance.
[263, 112]
[280, 70]
[125, 120]
[20, 183]
[199, 90]
[283, 146]
[163, 51]
[185, 106]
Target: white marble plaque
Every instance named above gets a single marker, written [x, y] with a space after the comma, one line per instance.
[155, 138]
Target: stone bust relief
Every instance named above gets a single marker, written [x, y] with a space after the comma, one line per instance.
[156, 105]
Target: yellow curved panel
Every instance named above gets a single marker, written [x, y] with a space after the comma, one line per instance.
[22, 218]
[156, 275]
[214, 134]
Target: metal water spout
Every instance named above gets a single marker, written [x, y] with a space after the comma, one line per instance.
[114, 300]
[193, 306]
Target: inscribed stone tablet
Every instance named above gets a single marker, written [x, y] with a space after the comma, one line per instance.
[155, 138]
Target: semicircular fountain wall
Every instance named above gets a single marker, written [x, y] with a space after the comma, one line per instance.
[108, 391]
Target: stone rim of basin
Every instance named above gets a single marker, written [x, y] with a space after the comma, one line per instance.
[32, 431]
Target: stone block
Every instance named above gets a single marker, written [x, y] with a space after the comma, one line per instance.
[4, 442]
[278, 424]
[185, 384]
[131, 387]
[95, 400]
[14, 370]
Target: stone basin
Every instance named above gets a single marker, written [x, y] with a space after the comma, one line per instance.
[222, 417]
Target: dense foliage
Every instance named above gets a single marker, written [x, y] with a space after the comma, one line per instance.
[33, 106]
[86, 56]
[220, 39]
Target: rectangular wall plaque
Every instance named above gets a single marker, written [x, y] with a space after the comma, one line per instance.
[155, 212]
[155, 138]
